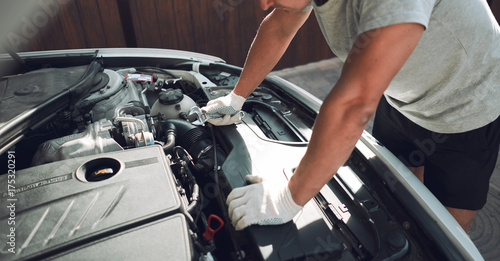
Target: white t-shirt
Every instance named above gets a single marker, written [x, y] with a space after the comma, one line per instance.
[451, 82]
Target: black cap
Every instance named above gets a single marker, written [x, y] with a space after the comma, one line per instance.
[171, 96]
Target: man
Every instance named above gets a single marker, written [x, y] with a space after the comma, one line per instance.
[436, 63]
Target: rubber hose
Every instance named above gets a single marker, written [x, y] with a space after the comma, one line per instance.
[170, 134]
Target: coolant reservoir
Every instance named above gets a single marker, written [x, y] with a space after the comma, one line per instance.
[171, 103]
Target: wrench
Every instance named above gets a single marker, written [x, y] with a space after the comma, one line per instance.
[198, 117]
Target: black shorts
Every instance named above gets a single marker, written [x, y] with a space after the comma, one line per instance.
[458, 166]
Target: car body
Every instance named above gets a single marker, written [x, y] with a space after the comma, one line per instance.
[103, 162]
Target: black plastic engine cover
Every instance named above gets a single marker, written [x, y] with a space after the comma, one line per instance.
[310, 236]
[56, 210]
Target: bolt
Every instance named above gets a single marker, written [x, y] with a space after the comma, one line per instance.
[406, 225]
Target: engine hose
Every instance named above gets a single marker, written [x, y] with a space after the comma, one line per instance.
[190, 220]
[195, 140]
[170, 134]
[194, 197]
[194, 207]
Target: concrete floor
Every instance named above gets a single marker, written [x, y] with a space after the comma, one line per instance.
[318, 79]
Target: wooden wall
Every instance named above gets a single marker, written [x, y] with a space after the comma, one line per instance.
[224, 28]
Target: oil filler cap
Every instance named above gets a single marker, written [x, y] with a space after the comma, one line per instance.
[98, 169]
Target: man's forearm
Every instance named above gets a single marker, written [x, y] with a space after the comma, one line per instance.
[335, 133]
[275, 34]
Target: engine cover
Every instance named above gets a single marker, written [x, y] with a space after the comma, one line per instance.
[66, 207]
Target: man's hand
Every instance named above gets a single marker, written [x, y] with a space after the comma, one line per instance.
[263, 203]
[224, 110]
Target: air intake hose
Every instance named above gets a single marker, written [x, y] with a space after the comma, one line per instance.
[197, 141]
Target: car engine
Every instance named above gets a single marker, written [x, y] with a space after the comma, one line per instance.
[127, 162]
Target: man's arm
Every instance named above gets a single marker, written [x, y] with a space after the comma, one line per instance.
[370, 67]
[275, 34]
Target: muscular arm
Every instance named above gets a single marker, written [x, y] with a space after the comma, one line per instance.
[275, 34]
[370, 67]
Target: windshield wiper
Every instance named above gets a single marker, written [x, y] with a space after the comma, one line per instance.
[17, 58]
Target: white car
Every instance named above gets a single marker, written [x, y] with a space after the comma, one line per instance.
[102, 161]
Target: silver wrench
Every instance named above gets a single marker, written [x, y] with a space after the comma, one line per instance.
[198, 117]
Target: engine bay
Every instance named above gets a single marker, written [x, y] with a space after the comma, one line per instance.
[120, 172]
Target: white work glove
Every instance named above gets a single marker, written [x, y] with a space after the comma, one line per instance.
[263, 203]
[225, 110]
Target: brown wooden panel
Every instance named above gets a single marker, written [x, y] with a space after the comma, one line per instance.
[231, 25]
[240, 23]
[224, 28]
[167, 23]
[91, 23]
[71, 26]
[136, 18]
[144, 13]
[182, 28]
[204, 38]
[111, 23]
[241, 28]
